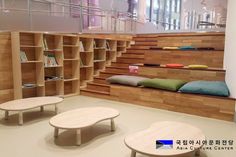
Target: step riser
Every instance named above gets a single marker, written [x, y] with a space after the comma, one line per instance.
[139, 47]
[146, 43]
[98, 88]
[131, 61]
[106, 75]
[115, 64]
[100, 81]
[90, 94]
[145, 40]
[117, 70]
[136, 51]
[133, 55]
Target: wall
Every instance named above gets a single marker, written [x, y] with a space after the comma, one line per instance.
[230, 48]
[6, 79]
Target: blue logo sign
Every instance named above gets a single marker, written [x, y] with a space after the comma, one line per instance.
[164, 144]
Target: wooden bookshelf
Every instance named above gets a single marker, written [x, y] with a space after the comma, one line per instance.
[53, 46]
[99, 59]
[31, 71]
[76, 60]
[86, 60]
[111, 48]
[71, 65]
[121, 47]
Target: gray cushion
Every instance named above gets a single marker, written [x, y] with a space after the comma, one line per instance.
[126, 80]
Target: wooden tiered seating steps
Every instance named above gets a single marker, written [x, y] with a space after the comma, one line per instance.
[135, 54]
[202, 105]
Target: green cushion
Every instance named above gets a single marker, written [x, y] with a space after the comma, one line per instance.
[166, 84]
[216, 88]
[198, 66]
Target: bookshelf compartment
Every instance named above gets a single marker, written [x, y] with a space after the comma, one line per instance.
[98, 66]
[99, 44]
[53, 88]
[31, 53]
[121, 43]
[71, 52]
[33, 92]
[111, 45]
[86, 74]
[86, 59]
[128, 44]
[71, 69]
[30, 39]
[53, 74]
[70, 41]
[32, 74]
[99, 55]
[52, 42]
[86, 45]
[71, 87]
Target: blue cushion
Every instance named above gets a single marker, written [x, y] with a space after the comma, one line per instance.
[216, 88]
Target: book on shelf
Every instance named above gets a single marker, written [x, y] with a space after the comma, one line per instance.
[108, 46]
[29, 85]
[81, 46]
[45, 45]
[50, 78]
[50, 60]
[81, 63]
[23, 56]
[94, 44]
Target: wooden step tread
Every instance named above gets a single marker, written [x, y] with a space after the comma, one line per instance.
[185, 68]
[99, 84]
[129, 57]
[115, 67]
[115, 73]
[95, 91]
[134, 53]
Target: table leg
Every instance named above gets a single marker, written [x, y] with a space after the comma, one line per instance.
[133, 153]
[56, 109]
[6, 115]
[20, 118]
[113, 127]
[197, 152]
[78, 137]
[56, 132]
[41, 109]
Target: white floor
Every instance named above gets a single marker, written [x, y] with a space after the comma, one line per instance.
[35, 137]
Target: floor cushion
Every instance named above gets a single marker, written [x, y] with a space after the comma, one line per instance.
[174, 65]
[166, 84]
[126, 80]
[187, 48]
[217, 88]
[170, 48]
[197, 66]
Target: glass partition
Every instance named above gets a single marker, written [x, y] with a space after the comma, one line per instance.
[187, 15]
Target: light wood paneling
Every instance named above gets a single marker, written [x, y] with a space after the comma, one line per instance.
[212, 59]
[182, 73]
[206, 106]
[6, 79]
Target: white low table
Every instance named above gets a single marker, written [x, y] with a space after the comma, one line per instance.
[21, 105]
[81, 118]
[144, 142]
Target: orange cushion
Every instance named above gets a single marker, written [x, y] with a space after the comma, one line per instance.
[174, 65]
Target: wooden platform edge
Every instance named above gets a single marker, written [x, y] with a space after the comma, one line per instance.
[200, 105]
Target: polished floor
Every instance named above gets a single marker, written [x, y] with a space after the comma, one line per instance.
[35, 137]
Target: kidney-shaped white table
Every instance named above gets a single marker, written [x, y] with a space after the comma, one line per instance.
[144, 141]
[21, 105]
[81, 118]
